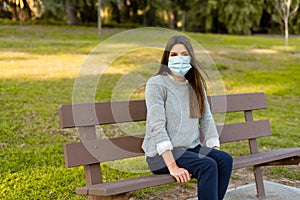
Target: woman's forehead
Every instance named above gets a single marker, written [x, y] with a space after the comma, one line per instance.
[178, 48]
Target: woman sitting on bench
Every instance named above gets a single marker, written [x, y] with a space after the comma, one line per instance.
[176, 104]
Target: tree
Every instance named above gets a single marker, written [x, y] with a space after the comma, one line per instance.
[131, 9]
[203, 16]
[286, 12]
[239, 17]
[24, 10]
[153, 10]
[71, 12]
[183, 7]
[225, 16]
[54, 9]
[12, 8]
[88, 11]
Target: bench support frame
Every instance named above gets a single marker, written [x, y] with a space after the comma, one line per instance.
[260, 188]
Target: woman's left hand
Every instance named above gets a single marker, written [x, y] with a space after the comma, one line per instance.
[216, 147]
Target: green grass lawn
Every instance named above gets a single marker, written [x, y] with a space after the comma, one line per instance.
[38, 67]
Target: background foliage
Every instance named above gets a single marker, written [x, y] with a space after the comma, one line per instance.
[216, 16]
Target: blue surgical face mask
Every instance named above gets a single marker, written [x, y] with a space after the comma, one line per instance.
[179, 65]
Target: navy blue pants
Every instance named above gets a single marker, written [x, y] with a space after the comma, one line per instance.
[212, 169]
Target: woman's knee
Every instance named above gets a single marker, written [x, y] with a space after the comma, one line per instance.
[203, 167]
[207, 171]
[211, 165]
[227, 159]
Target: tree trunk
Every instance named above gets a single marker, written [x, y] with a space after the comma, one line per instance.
[71, 12]
[286, 21]
[286, 31]
[12, 8]
[116, 15]
[183, 21]
[145, 13]
[127, 10]
[134, 8]
[25, 12]
[171, 18]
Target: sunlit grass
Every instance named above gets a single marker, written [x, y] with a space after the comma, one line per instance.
[18, 65]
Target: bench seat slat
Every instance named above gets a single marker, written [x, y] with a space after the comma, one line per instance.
[132, 184]
[123, 186]
[285, 161]
[265, 157]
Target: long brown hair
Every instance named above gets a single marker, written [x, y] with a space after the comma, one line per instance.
[197, 83]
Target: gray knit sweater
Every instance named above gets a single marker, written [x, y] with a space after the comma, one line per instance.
[168, 122]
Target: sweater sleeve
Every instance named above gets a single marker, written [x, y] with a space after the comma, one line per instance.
[208, 127]
[156, 116]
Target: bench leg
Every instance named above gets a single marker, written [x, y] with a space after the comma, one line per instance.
[260, 188]
[124, 196]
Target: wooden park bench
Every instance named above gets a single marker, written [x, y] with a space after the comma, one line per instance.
[90, 151]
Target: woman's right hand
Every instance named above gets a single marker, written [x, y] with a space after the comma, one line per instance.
[180, 174]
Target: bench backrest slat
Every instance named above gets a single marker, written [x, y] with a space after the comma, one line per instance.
[94, 151]
[244, 131]
[91, 114]
[237, 102]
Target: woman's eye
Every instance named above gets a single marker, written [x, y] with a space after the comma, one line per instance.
[173, 54]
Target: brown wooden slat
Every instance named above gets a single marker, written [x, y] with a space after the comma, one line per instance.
[244, 130]
[82, 190]
[125, 111]
[237, 102]
[265, 157]
[76, 155]
[286, 161]
[123, 186]
[95, 151]
[91, 114]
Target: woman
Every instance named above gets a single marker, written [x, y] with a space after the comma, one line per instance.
[176, 107]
